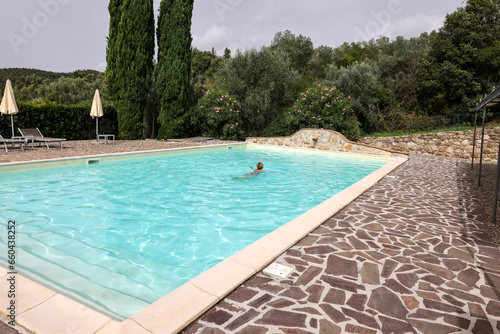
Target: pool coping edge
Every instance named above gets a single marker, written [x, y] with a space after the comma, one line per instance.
[7, 166]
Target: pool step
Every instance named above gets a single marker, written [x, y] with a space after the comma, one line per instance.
[132, 266]
[109, 301]
[108, 289]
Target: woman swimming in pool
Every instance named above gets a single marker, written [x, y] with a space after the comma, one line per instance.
[256, 171]
[259, 169]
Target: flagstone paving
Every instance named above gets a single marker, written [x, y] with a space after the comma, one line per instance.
[408, 256]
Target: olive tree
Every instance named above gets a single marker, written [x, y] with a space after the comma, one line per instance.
[360, 81]
[261, 80]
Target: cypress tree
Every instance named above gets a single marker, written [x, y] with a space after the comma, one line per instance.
[174, 64]
[111, 50]
[129, 56]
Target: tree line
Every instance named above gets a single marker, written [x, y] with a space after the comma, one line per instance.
[358, 87]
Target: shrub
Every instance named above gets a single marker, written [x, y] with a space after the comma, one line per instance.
[218, 115]
[232, 131]
[323, 107]
[276, 128]
[396, 120]
[72, 122]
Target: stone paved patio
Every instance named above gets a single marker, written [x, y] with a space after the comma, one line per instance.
[408, 256]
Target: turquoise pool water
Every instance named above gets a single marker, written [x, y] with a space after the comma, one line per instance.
[121, 234]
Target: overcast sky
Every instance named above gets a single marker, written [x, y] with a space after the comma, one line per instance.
[67, 35]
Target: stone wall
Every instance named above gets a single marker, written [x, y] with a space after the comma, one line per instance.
[456, 144]
[325, 140]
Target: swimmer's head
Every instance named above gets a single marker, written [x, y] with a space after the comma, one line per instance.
[260, 165]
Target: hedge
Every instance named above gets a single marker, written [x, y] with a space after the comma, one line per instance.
[72, 122]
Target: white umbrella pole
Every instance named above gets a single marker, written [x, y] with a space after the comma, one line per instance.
[12, 123]
[97, 128]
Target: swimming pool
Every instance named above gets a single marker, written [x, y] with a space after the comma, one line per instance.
[121, 234]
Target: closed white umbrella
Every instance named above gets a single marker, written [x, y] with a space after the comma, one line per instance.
[8, 105]
[96, 111]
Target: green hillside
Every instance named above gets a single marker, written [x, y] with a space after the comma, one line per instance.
[15, 75]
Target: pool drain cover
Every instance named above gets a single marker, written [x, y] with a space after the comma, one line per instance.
[276, 269]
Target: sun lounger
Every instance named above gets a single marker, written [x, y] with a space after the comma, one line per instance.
[12, 142]
[38, 137]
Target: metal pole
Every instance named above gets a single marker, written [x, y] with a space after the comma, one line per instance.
[458, 120]
[97, 129]
[474, 140]
[494, 214]
[12, 123]
[481, 153]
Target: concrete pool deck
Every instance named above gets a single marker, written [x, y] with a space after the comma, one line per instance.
[408, 255]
